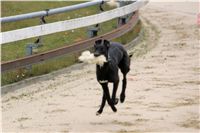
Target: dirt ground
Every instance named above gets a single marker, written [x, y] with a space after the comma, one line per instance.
[162, 92]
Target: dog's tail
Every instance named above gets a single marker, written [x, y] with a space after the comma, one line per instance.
[130, 54]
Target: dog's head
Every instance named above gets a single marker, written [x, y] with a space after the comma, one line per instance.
[101, 47]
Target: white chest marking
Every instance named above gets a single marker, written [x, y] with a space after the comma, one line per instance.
[103, 81]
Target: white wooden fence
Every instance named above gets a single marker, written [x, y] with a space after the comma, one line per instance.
[25, 33]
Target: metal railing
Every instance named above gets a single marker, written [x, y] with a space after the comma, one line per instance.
[49, 12]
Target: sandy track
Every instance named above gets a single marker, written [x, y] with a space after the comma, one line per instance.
[162, 91]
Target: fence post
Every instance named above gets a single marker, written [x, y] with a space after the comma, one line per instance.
[29, 51]
[38, 42]
[124, 19]
[92, 31]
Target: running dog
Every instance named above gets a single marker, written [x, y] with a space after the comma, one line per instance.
[116, 58]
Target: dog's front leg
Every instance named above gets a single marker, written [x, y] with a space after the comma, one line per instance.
[115, 86]
[103, 102]
[107, 95]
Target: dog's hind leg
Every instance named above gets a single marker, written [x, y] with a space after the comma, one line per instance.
[115, 86]
[102, 104]
[124, 82]
[107, 95]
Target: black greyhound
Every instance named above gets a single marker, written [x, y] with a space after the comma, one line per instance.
[117, 57]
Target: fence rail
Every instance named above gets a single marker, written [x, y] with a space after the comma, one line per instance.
[45, 29]
[48, 12]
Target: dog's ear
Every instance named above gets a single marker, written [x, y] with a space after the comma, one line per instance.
[106, 43]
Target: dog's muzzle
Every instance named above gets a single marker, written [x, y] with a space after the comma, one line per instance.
[96, 54]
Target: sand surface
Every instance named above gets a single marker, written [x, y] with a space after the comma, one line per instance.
[162, 92]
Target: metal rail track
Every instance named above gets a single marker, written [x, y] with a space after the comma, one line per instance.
[78, 46]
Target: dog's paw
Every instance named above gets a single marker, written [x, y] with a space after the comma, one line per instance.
[122, 98]
[114, 109]
[116, 101]
[99, 112]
